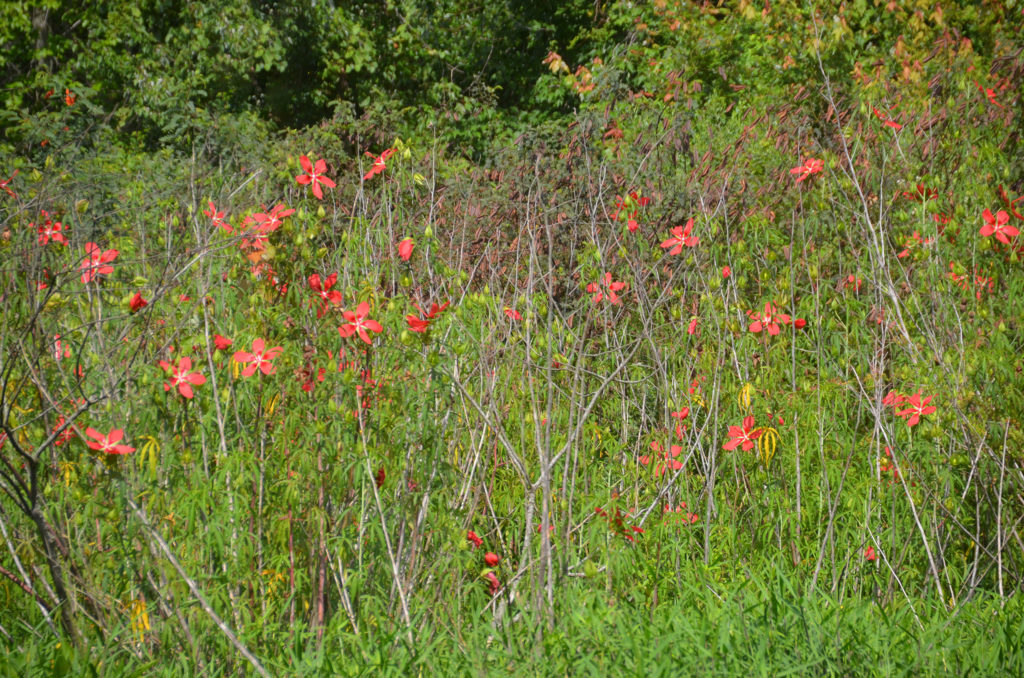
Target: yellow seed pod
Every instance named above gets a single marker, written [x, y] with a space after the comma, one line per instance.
[140, 618]
[767, 443]
[67, 469]
[148, 452]
[743, 399]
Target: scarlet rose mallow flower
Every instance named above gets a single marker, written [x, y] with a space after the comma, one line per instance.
[137, 303]
[606, 290]
[314, 176]
[217, 217]
[50, 230]
[108, 443]
[324, 294]
[768, 321]
[5, 185]
[998, 224]
[359, 323]
[918, 408]
[181, 377]
[259, 358]
[744, 435]
[96, 262]
[680, 238]
[421, 324]
[811, 166]
[379, 163]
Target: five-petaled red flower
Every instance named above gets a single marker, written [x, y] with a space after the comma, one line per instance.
[217, 218]
[107, 443]
[50, 230]
[96, 262]
[359, 323]
[681, 237]
[606, 290]
[811, 166]
[4, 184]
[325, 295]
[260, 358]
[917, 408]
[513, 314]
[421, 324]
[314, 176]
[221, 343]
[889, 122]
[181, 378]
[379, 163]
[769, 320]
[998, 224]
[744, 435]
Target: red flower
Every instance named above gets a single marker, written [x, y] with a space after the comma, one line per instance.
[358, 323]
[886, 119]
[491, 559]
[870, 555]
[917, 409]
[811, 166]
[475, 540]
[998, 224]
[680, 415]
[681, 237]
[921, 193]
[95, 262]
[493, 585]
[667, 459]
[726, 271]
[267, 222]
[692, 329]
[50, 230]
[421, 324]
[325, 295]
[607, 290]
[217, 218]
[259, 358]
[60, 352]
[769, 320]
[513, 313]
[107, 443]
[181, 378]
[743, 435]
[5, 182]
[62, 437]
[137, 302]
[221, 343]
[69, 98]
[799, 323]
[379, 163]
[315, 176]
[405, 248]
[989, 93]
